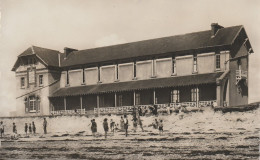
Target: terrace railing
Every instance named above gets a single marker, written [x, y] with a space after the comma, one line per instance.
[68, 112]
[160, 107]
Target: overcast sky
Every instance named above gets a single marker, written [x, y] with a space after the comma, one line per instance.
[83, 24]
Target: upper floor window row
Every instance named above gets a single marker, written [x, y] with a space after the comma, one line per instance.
[163, 67]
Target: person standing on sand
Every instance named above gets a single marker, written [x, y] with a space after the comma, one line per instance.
[134, 123]
[93, 127]
[14, 129]
[140, 123]
[33, 128]
[125, 124]
[1, 128]
[45, 125]
[30, 128]
[161, 127]
[26, 128]
[105, 126]
[122, 123]
[112, 125]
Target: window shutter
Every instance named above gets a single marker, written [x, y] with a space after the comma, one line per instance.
[38, 105]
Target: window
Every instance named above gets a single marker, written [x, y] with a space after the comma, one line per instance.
[22, 82]
[217, 61]
[99, 74]
[175, 96]
[32, 104]
[67, 78]
[239, 64]
[120, 100]
[117, 76]
[83, 76]
[194, 97]
[137, 99]
[173, 65]
[134, 69]
[40, 80]
[194, 63]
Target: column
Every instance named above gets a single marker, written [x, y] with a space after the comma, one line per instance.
[197, 96]
[115, 101]
[65, 104]
[218, 95]
[154, 97]
[134, 98]
[80, 104]
[98, 104]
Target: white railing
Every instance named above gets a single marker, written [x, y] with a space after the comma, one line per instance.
[68, 112]
[160, 107]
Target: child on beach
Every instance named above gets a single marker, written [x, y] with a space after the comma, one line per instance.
[93, 127]
[122, 123]
[26, 128]
[30, 128]
[135, 123]
[1, 128]
[125, 124]
[105, 126]
[45, 125]
[112, 125]
[140, 123]
[161, 127]
[14, 129]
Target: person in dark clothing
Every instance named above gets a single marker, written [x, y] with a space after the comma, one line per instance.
[14, 128]
[30, 128]
[45, 125]
[33, 128]
[155, 110]
[105, 126]
[93, 127]
[134, 123]
[26, 128]
[112, 125]
[140, 111]
[125, 124]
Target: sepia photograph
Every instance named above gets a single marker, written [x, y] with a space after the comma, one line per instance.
[132, 79]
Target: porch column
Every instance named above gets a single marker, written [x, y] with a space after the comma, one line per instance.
[154, 97]
[115, 100]
[134, 98]
[98, 104]
[218, 95]
[197, 96]
[65, 103]
[81, 103]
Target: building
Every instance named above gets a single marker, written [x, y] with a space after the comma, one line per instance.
[193, 69]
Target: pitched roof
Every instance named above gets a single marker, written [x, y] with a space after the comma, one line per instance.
[139, 85]
[48, 56]
[173, 44]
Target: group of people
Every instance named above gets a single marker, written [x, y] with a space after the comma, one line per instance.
[124, 124]
[28, 128]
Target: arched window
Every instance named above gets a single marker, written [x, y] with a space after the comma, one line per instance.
[32, 104]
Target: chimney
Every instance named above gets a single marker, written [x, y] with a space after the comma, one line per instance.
[67, 51]
[214, 29]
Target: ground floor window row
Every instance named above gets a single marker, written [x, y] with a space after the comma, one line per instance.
[142, 97]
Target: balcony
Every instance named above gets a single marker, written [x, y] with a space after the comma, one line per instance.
[240, 74]
[69, 112]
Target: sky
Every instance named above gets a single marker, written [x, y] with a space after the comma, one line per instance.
[84, 24]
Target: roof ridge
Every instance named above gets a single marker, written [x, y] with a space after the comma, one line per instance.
[75, 52]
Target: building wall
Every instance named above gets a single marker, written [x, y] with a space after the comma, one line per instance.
[89, 102]
[63, 79]
[184, 65]
[126, 72]
[108, 74]
[144, 69]
[224, 57]
[91, 75]
[163, 67]
[75, 77]
[163, 95]
[72, 102]
[206, 62]
[237, 98]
